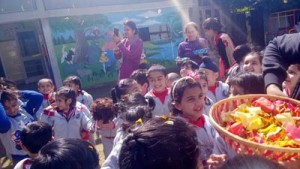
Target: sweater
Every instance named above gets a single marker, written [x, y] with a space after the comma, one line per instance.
[187, 48]
[281, 52]
[130, 53]
[160, 108]
[222, 91]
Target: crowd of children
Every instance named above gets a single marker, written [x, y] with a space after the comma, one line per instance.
[152, 120]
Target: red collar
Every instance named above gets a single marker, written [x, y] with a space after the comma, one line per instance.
[161, 95]
[213, 88]
[199, 123]
[46, 96]
[217, 38]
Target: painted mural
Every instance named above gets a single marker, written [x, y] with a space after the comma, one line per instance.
[84, 47]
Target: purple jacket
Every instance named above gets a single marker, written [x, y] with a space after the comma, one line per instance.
[187, 48]
[131, 52]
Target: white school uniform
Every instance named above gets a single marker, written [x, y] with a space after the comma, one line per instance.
[160, 108]
[222, 91]
[85, 98]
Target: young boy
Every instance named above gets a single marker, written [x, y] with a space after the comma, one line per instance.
[187, 67]
[140, 76]
[46, 87]
[172, 77]
[157, 76]
[33, 137]
[14, 116]
[217, 90]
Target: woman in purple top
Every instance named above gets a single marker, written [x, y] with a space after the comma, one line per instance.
[129, 50]
[191, 47]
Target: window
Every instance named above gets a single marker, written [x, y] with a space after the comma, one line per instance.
[155, 33]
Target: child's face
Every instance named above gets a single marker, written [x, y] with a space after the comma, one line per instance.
[46, 88]
[11, 107]
[73, 86]
[236, 90]
[209, 33]
[62, 103]
[158, 81]
[185, 70]
[252, 64]
[204, 86]
[293, 76]
[143, 88]
[191, 33]
[211, 76]
[192, 103]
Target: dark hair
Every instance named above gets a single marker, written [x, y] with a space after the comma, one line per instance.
[212, 23]
[7, 84]
[160, 144]
[67, 93]
[191, 63]
[121, 89]
[134, 107]
[240, 52]
[132, 25]
[251, 83]
[177, 91]
[67, 154]
[35, 135]
[140, 75]
[73, 79]
[250, 162]
[203, 76]
[157, 68]
[103, 109]
[8, 95]
[257, 50]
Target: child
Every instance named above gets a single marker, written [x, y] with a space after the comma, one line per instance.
[188, 102]
[124, 87]
[217, 90]
[187, 67]
[239, 54]
[46, 87]
[157, 77]
[246, 83]
[33, 137]
[14, 116]
[156, 145]
[203, 81]
[136, 109]
[103, 112]
[82, 96]
[293, 77]
[172, 77]
[67, 153]
[253, 62]
[140, 76]
[250, 162]
[68, 117]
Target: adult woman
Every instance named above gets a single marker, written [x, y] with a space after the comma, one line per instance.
[213, 29]
[193, 44]
[129, 50]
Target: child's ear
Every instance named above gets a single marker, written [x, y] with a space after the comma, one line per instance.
[177, 106]
[216, 74]
[145, 86]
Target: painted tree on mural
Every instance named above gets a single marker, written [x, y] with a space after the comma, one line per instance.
[78, 24]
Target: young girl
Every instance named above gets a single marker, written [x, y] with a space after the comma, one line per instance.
[187, 67]
[246, 83]
[253, 62]
[82, 96]
[103, 112]
[188, 103]
[14, 116]
[136, 109]
[292, 79]
[124, 87]
[67, 116]
[46, 87]
[162, 146]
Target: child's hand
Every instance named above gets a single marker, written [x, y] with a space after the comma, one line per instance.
[216, 160]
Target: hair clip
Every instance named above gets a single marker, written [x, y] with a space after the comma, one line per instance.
[91, 147]
[164, 117]
[169, 122]
[139, 121]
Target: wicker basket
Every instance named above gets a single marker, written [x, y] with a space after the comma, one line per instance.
[243, 146]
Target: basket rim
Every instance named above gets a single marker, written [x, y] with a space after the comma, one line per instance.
[239, 139]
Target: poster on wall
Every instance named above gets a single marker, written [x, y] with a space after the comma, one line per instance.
[84, 47]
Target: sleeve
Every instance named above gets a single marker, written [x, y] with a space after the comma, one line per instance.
[34, 101]
[223, 53]
[180, 52]
[4, 121]
[89, 99]
[86, 121]
[134, 51]
[112, 161]
[47, 116]
[279, 54]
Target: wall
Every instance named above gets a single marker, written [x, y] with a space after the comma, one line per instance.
[83, 44]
